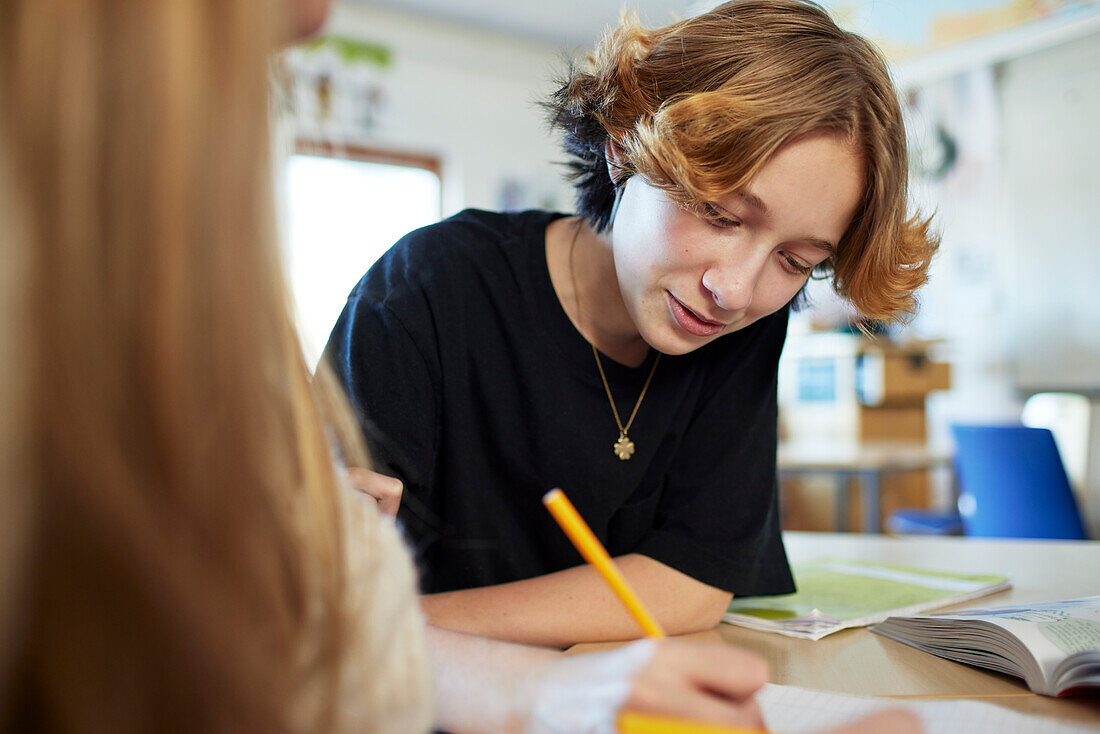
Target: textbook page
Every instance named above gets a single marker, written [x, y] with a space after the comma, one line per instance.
[792, 710]
[1052, 645]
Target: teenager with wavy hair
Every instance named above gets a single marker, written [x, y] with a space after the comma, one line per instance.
[179, 551]
[629, 354]
[698, 108]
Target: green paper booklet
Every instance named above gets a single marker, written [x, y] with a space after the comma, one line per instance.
[834, 594]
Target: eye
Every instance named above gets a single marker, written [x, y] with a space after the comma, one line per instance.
[717, 218]
[793, 266]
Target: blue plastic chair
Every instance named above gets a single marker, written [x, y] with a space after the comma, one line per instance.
[1013, 484]
[923, 521]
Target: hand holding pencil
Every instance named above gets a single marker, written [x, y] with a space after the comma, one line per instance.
[690, 688]
[683, 681]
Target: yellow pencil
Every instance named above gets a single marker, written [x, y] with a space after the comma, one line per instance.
[632, 723]
[590, 548]
[578, 531]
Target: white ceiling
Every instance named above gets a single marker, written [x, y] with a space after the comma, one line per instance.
[569, 23]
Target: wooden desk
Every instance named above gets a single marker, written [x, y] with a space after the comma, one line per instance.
[868, 461]
[856, 661]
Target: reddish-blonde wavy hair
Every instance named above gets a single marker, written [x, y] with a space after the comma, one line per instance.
[699, 106]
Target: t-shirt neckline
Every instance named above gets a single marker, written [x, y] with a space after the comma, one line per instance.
[557, 325]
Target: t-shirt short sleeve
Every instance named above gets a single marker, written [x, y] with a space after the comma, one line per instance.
[390, 369]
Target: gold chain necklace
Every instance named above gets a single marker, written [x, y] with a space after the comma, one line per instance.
[623, 447]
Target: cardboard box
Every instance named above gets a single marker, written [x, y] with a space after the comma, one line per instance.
[828, 382]
[846, 387]
[892, 423]
[891, 375]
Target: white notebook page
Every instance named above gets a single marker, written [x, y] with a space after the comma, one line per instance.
[791, 710]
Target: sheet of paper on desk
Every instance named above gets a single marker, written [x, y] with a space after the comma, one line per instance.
[834, 594]
[791, 710]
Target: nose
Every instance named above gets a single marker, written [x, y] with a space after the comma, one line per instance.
[732, 282]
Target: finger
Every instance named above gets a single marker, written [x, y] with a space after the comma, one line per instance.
[892, 721]
[692, 705]
[360, 478]
[390, 504]
[724, 670]
[386, 491]
[379, 486]
[677, 697]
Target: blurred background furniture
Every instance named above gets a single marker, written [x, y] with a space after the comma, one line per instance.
[1069, 419]
[1013, 485]
[924, 521]
[867, 462]
[852, 409]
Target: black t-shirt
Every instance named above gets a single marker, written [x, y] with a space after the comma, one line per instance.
[479, 394]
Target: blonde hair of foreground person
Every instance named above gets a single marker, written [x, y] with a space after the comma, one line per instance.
[183, 565]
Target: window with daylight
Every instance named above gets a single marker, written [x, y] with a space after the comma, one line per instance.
[344, 208]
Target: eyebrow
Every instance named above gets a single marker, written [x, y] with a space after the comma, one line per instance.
[820, 244]
[757, 203]
[754, 201]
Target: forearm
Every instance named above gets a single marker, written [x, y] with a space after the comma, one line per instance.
[575, 605]
[483, 685]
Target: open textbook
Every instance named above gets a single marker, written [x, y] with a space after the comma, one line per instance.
[835, 594]
[1054, 646]
[792, 710]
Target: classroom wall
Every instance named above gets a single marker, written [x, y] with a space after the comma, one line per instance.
[1012, 291]
[1050, 107]
[469, 97]
[1011, 287]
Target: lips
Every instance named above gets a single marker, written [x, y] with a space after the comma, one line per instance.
[691, 322]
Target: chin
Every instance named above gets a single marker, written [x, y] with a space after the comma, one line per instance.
[675, 344]
[309, 17]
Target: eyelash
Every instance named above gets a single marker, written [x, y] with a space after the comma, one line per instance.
[717, 219]
[794, 266]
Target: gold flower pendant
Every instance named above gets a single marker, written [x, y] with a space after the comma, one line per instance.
[624, 447]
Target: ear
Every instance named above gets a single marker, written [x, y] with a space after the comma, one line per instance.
[617, 166]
